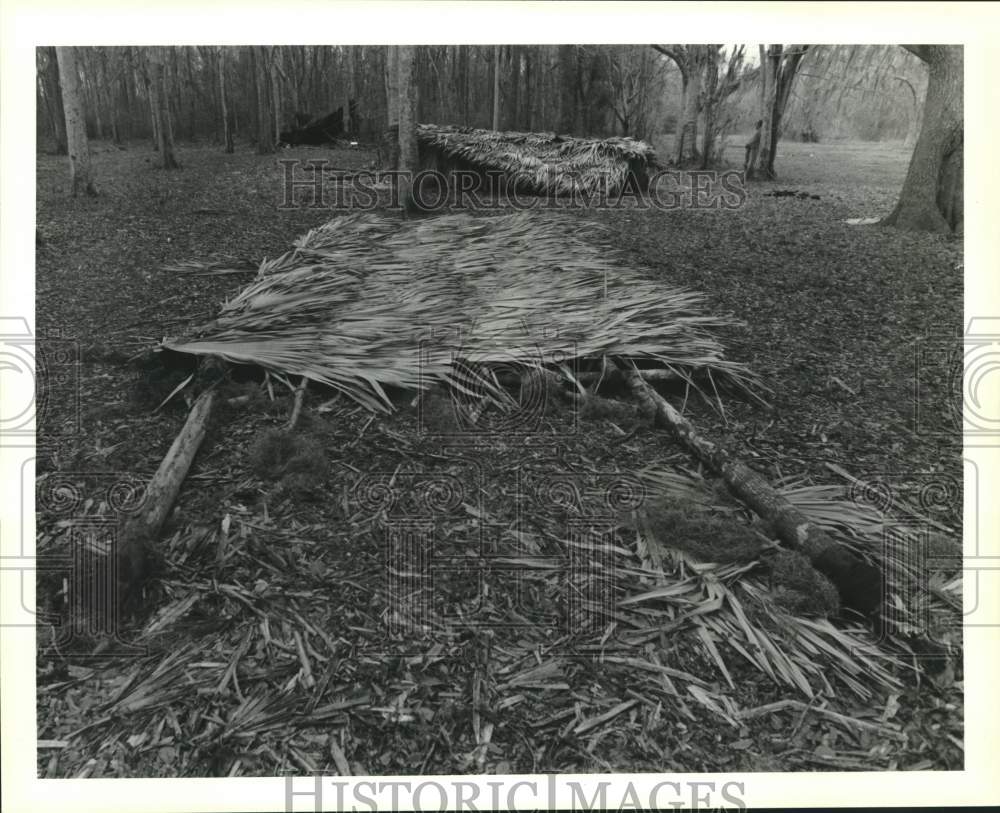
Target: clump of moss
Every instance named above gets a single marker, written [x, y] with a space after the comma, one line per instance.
[300, 487]
[271, 452]
[706, 537]
[297, 461]
[436, 413]
[308, 460]
[798, 587]
[596, 408]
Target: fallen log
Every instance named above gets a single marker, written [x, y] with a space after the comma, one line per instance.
[860, 584]
[139, 531]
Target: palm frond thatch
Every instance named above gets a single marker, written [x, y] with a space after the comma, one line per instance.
[542, 163]
[365, 302]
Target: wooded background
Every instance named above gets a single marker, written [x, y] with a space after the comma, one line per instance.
[866, 92]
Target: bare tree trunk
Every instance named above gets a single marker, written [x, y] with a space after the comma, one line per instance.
[467, 87]
[127, 93]
[389, 146]
[93, 93]
[227, 130]
[528, 122]
[265, 141]
[54, 100]
[567, 88]
[711, 86]
[769, 75]
[76, 126]
[275, 75]
[778, 72]
[496, 87]
[349, 93]
[687, 145]
[787, 70]
[140, 73]
[359, 120]
[513, 122]
[154, 116]
[161, 110]
[932, 195]
[114, 109]
[392, 84]
[172, 89]
[193, 94]
[762, 55]
[314, 80]
[406, 107]
[690, 60]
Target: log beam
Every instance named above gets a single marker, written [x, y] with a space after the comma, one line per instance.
[139, 531]
[860, 584]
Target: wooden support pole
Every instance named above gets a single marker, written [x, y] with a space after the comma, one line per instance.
[860, 584]
[300, 394]
[139, 531]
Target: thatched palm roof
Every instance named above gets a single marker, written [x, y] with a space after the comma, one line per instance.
[544, 163]
[367, 301]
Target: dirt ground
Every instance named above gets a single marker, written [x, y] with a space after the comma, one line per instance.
[852, 327]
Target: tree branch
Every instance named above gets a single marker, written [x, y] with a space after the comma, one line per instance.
[925, 53]
[679, 57]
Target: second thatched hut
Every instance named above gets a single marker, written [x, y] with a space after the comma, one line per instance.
[539, 163]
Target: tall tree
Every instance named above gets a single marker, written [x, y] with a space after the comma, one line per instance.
[568, 68]
[108, 84]
[528, 59]
[76, 125]
[514, 106]
[389, 147]
[778, 73]
[594, 85]
[262, 83]
[276, 75]
[49, 78]
[932, 195]
[358, 120]
[691, 61]
[406, 107]
[717, 90]
[629, 75]
[347, 79]
[160, 104]
[227, 130]
[769, 95]
[496, 87]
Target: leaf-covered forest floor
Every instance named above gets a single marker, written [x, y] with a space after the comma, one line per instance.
[270, 650]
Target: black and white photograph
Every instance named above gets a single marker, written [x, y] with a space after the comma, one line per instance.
[474, 408]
